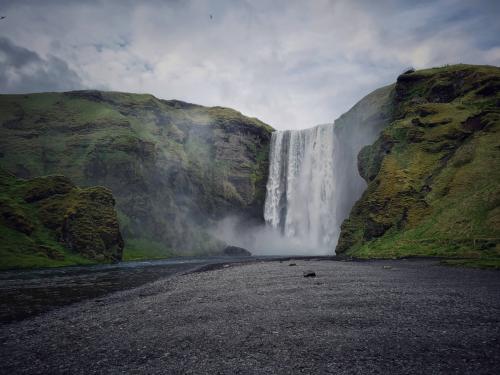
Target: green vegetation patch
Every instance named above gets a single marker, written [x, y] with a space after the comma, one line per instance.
[48, 222]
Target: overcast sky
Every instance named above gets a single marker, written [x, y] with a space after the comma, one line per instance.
[293, 64]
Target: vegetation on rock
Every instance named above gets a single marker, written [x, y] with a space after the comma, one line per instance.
[48, 221]
[434, 172]
[173, 167]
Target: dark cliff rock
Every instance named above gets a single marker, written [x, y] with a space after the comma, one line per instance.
[433, 174]
[48, 221]
[174, 168]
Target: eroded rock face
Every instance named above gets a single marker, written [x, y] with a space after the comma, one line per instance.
[174, 168]
[434, 173]
[85, 221]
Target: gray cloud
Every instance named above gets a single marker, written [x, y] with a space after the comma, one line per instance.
[291, 63]
[22, 71]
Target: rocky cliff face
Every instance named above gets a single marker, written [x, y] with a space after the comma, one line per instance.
[358, 127]
[174, 168]
[433, 174]
[48, 221]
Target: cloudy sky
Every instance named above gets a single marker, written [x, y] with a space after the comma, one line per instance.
[293, 64]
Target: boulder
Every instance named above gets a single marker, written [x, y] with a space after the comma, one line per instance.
[236, 251]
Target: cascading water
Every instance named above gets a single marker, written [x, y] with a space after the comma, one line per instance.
[313, 183]
[302, 194]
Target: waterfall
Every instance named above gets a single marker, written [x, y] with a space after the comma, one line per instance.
[313, 183]
[302, 194]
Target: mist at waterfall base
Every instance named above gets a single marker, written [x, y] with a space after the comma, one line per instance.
[312, 185]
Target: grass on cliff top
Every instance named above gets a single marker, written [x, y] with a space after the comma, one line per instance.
[456, 68]
[51, 133]
[60, 109]
[84, 106]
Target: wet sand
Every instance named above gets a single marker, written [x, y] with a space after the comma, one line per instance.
[395, 317]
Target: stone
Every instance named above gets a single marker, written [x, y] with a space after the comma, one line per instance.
[309, 274]
[236, 251]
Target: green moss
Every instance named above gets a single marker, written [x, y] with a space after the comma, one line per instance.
[434, 173]
[48, 222]
[39, 249]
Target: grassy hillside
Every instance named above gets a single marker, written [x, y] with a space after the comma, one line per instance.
[174, 168]
[434, 173]
[48, 221]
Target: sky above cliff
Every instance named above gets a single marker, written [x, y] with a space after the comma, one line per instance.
[293, 64]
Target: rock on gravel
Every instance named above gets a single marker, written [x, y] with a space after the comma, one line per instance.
[309, 274]
[266, 318]
[236, 251]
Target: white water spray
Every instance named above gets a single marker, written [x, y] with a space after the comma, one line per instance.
[302, 194]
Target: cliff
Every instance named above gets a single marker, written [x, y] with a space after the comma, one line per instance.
[358, 127]
[174, 168]
[48, 221]
[433, 174]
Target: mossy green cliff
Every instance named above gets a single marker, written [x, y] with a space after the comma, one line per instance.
[433, 174]
[173, 167]
[48, 221]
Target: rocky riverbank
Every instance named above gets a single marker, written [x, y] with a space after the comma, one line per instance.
[353, 317]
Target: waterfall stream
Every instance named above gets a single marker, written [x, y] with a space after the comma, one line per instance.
[302, 189]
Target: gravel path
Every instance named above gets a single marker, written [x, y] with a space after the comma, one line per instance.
[387, 317]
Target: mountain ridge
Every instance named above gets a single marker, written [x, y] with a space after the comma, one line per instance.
[174, 168]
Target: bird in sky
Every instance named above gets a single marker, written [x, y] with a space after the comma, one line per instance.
[211, 17]
[2, 17]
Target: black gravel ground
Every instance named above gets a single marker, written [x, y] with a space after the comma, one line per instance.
[24, 293]
[386, 317]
